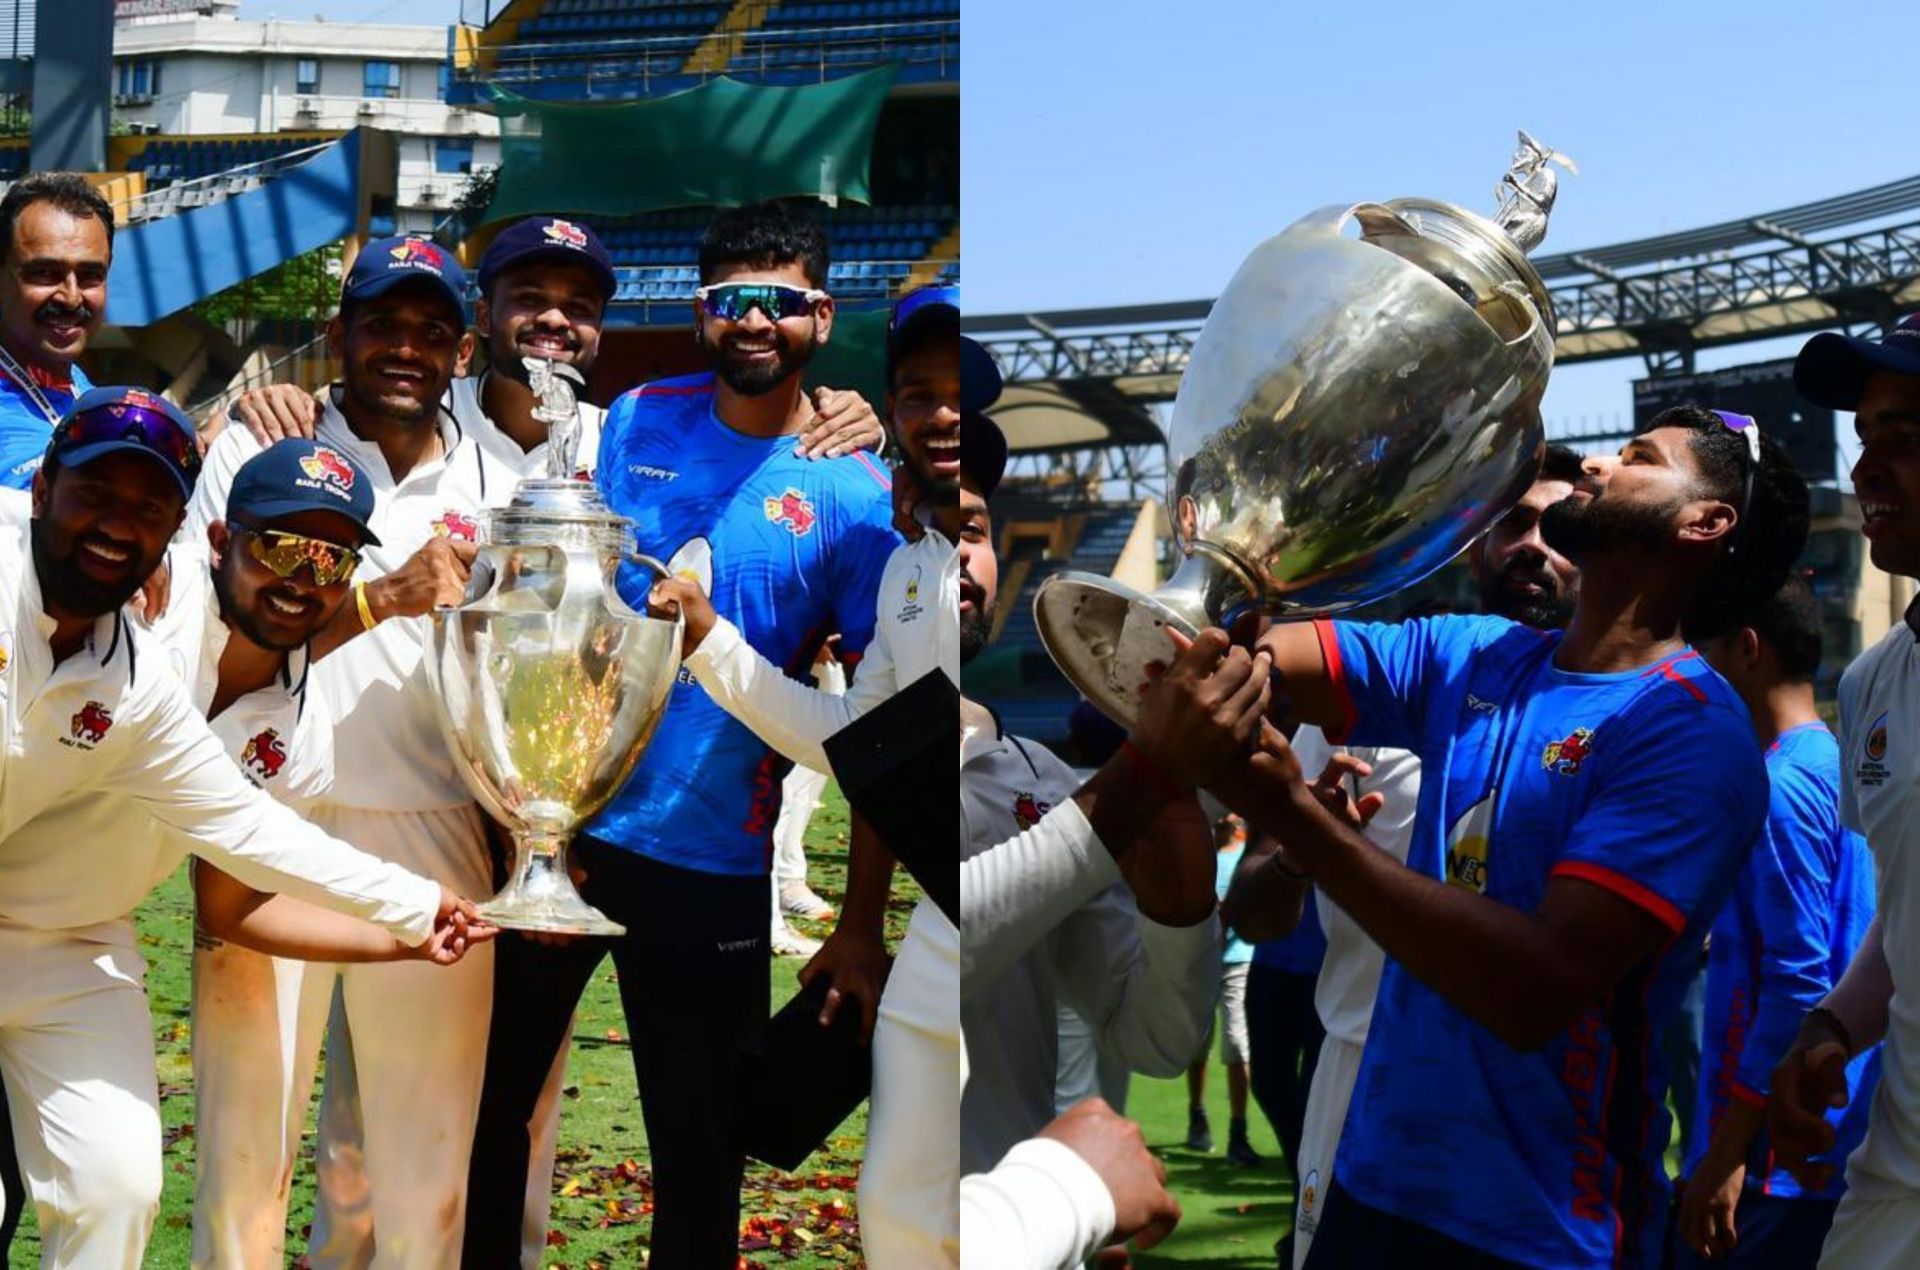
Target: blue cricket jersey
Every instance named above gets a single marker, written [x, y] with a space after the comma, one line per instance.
[1646, 782]
[24, 430]
[791, 551]
[1799, 910]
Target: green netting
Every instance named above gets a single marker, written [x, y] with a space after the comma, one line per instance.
[721, 144]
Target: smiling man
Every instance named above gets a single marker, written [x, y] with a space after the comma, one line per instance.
[791, 550]
[395, 790]
[56, 243]
[1878, 1222]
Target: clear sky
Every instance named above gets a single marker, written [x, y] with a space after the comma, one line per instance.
[403, 12]
[1127, 151]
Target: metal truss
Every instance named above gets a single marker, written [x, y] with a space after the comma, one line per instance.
[1663, 315]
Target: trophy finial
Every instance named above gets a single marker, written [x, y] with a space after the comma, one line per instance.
[1527, 191]
[557, 387]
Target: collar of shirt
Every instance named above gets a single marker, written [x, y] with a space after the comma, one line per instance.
[335, 430]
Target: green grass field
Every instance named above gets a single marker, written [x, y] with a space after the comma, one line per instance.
[602, 1183]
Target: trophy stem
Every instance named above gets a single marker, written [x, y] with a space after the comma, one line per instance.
[541, 894]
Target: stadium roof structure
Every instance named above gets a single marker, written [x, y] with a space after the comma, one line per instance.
[1088, 377]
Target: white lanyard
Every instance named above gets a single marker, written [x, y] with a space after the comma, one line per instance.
[19, 375]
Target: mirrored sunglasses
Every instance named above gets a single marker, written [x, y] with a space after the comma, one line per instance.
[284, 553]
[732, 301]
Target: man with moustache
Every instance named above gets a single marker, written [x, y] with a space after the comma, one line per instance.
[1878, 1222]
[706, 466]
[1602, 791]
[56, 243]
[395, 788]
[1519, 577]
[106, 743]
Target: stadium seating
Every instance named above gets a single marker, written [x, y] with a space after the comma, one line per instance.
[166, 160]
[874, 250]
[638, 48]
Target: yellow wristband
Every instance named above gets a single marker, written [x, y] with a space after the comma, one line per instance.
[367, 620]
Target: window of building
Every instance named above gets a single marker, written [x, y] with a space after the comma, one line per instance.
[383, 80]
[446, 79]
[453, 155]
[306, 75]
[139, 78]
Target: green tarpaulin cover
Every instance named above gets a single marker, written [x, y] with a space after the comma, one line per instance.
[721, 144]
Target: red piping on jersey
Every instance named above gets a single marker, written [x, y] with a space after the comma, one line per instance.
[678, 390]
[1626, 888]
[1337, 673]
[1748, 1096]
[873, 469]
[1667, 670]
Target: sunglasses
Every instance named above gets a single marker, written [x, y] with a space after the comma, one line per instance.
[150, 429]
[732, 301]
[1744, 427]
[913, 302]
[284, 553]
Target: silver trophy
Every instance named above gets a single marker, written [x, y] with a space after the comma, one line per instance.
[1362, 402]
[549, 685]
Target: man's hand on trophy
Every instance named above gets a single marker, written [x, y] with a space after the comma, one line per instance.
[842, 423]
[856, 966]
[434, 577]
[683, 596]
[277, 411]
[1201, 714]
[457, 927]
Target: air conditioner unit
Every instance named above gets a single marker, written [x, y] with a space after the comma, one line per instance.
[368, 109]
[306, 106]
[430, 193]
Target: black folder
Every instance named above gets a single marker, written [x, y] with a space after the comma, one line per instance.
[797, 1082]
[899, 767]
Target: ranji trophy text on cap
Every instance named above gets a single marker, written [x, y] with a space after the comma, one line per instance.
[549, 685]
[1363, 401]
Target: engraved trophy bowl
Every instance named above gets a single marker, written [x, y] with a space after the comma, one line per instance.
[550, 686]
[1362, 402]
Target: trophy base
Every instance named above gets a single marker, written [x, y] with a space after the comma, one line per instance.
[1102, 634]
[542, 897]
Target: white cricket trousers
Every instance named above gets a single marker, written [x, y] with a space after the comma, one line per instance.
[910, 1180]
[1873, 1234]
[417, 1034]
[76, 1052]
[1327, 1100]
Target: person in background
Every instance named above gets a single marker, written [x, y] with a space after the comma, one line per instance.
[1230, 838]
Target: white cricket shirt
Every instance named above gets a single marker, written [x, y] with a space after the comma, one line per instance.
[1147, 990]
[1350, 974]
[463, 398]
[108, 742]
[1880, 798]
[389, 752]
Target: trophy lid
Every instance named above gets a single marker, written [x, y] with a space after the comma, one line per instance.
[543, 508]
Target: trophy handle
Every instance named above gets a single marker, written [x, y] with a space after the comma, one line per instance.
[642, 558]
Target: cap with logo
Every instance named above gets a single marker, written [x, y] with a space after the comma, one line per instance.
[298, 475]
[931, 313]
[112, 420]
[385, 263]
[548, 238]
[1832, 368]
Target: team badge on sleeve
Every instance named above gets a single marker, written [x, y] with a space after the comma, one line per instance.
[1027, 811]
[1873, 770]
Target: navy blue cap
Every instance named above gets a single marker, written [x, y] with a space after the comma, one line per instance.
[108, 420]
[934, 312]
[385, 263]
[548, 238]
[298, 475]
[1832, 368]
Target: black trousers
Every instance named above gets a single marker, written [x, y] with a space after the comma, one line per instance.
[1283, 1035]
[1357, 1236]
[693, 970]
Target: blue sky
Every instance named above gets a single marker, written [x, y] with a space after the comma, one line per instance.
[1124, 151]
[402, 12]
